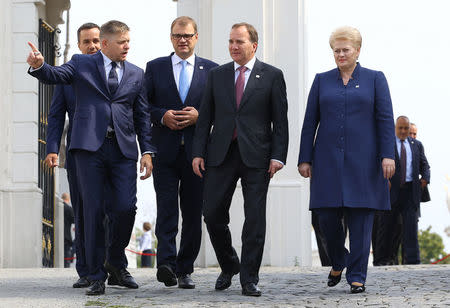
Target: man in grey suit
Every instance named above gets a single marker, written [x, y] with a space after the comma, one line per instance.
[245, 104]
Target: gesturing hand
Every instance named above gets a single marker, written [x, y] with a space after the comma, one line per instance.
[146, 164]
[305, 170]
[388, 166]
[35, 58]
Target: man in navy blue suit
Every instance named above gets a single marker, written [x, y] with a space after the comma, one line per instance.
[411, 175]
[111, 110]
[175, 87]
[63, 102]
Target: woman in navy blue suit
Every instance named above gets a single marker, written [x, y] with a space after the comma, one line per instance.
[347, 149]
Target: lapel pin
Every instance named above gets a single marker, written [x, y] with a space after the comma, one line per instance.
[357, 86]
[200, 67]
[257, 76]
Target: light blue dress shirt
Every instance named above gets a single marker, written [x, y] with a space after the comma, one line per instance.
[119, 68]
[409, 177]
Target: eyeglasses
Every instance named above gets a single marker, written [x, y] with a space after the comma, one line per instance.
[187, 37]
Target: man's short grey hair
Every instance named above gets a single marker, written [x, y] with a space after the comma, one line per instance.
[113, 27]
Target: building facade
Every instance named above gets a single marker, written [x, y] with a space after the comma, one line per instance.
[22, 193]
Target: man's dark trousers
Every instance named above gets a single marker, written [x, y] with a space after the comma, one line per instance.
[409, 212]
[95, 169]
[77, 204]
[168, 179]
[220, 185]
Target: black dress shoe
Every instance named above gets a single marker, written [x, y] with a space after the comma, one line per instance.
[97, 288]
[357, 289]
[82, 282]
[185, 282]
[250, 289]
[112, 280]
[333, 280]
[165, 274]
[120, 277]
[224, 280]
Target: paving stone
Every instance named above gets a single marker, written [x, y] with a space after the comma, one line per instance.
[394, 286]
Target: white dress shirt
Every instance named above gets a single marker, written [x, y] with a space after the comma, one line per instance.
[247, 73]
[249, 65]
[409, 177]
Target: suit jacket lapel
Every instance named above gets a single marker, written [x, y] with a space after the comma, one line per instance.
[195, 79]
[101, 70]
[252, 82]
[171, 77]
[414, 153]
[229, 84]
[125, 76]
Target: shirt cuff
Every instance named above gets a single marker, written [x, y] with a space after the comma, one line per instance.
[36, 69]
[148, 152]
[278, 161]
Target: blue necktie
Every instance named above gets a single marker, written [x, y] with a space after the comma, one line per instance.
[183, 82]
[113, 80]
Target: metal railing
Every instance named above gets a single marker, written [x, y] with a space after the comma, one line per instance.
[46, 181]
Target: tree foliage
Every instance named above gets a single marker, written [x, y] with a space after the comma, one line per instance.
[431, 247]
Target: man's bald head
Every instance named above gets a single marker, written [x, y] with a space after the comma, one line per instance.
[402, 127]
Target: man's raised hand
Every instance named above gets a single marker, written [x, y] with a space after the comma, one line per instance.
[35, 58]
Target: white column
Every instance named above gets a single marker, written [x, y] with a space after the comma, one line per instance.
[280, 26]
[5, 123]
[20, 198]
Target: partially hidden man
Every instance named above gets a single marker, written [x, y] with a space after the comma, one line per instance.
[242, 132]
[111, 110]
[400, 224]
[175, 86]
[63, 102]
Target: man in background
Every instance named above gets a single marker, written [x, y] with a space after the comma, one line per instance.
[63, 102]
[425, 192]
[68, 221]
[413, 130]
[411, 175]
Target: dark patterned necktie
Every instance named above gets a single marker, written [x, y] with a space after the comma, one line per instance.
[113, 80]
[239, 89]
[240, 83]
[402, 163]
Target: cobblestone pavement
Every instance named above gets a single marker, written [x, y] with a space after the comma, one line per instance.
[396, 286]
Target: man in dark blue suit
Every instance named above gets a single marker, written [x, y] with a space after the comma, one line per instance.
[63, 102]
[175, 87]
[411, 175]
[111, 110]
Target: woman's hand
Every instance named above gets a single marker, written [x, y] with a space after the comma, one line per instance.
[388, 166]
[305, 170]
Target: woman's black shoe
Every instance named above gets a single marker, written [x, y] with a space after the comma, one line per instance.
[357, 289]
[333, 280]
